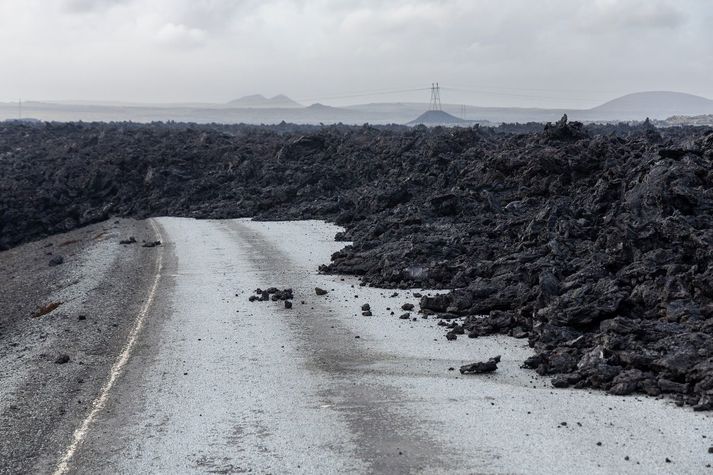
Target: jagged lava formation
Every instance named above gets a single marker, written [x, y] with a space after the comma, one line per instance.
[593, 242]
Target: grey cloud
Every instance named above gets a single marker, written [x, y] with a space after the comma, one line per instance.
[193, 50]
[179, 35]
[614, 15]
[84, 6]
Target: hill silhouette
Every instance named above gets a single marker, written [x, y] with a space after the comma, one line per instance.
[658, 104]
[438, 118]
[258, 100]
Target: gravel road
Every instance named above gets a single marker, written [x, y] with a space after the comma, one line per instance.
[214, 383]
[220, 384]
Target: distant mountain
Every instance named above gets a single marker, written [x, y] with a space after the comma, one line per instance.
[258, 100]
[321, 107]
[656, 105]
[432, 118]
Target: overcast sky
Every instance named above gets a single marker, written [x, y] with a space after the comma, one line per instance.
[483, 52]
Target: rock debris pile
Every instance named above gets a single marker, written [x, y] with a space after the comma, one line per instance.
[273, 293]
[595, 243]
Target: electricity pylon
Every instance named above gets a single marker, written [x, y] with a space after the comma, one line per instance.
[435, 103]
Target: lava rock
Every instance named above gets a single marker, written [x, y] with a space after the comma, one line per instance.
[481, 367]
[56, 260]
[437, 303]
[271, 294]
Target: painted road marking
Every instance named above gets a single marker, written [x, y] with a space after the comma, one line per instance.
[98, 404]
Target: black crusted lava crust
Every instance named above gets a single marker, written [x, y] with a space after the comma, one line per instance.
[596, 242]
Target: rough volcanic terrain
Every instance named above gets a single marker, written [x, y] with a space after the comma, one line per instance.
[593, 242]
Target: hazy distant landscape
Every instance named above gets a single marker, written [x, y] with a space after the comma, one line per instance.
[257, 109]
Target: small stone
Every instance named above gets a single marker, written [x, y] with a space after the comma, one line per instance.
[319, 291]
[56, 260]
[62, 359]
[405, 316]
[407, 306]
[288, 304]
[366, 307]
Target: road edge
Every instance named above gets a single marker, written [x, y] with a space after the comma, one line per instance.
[117, 368]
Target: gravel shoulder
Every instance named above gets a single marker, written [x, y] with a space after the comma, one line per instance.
[61, 327]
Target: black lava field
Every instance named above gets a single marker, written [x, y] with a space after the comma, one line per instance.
[595, 243]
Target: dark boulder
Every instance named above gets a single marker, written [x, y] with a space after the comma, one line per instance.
[481, 366]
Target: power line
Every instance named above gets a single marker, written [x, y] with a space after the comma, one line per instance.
[380, 92]
[509, 94]
[447, 88]
[436, 88]
[481, 87]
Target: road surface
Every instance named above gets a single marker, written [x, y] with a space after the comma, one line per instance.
[213, 383]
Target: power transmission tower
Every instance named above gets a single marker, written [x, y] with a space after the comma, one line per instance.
[435, 104]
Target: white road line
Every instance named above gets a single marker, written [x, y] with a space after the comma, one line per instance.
[116, 369]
